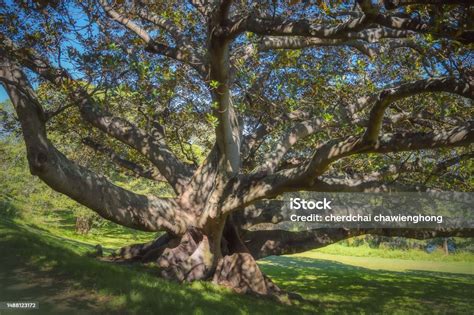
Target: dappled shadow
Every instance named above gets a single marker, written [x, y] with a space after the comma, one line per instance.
[444, 275]
[62, 281]
[338, 287]
[36, 227]
[44, 268]
[53, 293]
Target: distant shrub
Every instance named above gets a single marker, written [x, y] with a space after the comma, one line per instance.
[402, 243]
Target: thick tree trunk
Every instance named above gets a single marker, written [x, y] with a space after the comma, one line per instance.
[194, 257]
[215, 253]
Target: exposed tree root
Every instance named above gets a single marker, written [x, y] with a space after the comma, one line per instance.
[240, 272]
[146, 252]
[189, 258]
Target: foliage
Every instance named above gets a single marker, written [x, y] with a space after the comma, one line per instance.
[320, 81]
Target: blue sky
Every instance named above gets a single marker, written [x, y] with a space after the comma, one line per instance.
[3, 94]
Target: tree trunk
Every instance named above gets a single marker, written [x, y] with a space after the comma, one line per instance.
[445, 246]
[215, 253]
[238, 269]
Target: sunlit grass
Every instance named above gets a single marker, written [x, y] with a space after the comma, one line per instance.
[409, 254]
[342, 287]
[397, 264]
[119, 288]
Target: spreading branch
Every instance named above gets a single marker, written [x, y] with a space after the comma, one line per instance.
[388, 96]
[175, 171]
[281, 147]
[122, 162]
[91, 190]
[247, 189]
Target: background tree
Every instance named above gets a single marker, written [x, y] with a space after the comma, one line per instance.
[233, 103]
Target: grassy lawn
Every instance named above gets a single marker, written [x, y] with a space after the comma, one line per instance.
[410, 254]
[394, 264]
[37, 265]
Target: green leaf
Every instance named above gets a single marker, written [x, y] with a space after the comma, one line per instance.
[214, 84]
[328, 117]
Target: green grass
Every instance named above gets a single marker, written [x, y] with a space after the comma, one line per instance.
[36, 265]
[62, 223]
[55, 272]
[409, 254]
[395, 264]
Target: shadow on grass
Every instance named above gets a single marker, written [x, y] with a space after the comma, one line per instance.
[38, 266]
[341, 288]
[45, 269]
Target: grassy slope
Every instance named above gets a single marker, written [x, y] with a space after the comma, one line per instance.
[38, 266]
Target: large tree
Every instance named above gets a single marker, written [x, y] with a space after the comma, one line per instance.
[234, 103]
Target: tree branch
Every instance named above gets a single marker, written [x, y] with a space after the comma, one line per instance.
[298, 132]
[273, 42]
[228, 133]
[362, 184]
[251, 141]
[406, 22]
[279, 26]
[91, 190]
[175, 171]
[262, 211]
[410, 167]
[247, 189]
[388, 96]
[128, 23]
[202, 6]
[137, 169]
[334, 150]
[161, 22]
[187, 56]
